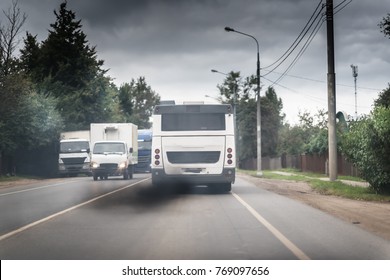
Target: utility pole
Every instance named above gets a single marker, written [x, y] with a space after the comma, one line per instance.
[332, 141]
[355, 74]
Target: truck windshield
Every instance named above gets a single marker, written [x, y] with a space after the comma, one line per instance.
[74, 147]
[144, 145]
[101, 148]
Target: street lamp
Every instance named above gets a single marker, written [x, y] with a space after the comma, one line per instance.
[259, 171]
[212, 97]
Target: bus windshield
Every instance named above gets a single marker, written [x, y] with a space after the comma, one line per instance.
[193, 122]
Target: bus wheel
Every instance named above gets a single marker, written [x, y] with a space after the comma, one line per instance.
[222, 187]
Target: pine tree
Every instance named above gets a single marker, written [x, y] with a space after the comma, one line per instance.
[66, 56]
[65, 66]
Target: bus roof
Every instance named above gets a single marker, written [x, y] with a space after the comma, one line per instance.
[199, 108]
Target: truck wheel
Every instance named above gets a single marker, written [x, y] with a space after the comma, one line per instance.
[95, 177]
[130, 170]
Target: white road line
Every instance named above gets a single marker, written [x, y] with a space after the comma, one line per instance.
[38, 188]
[11, 233]
[286, 242]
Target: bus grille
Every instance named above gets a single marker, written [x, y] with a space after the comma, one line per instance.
[193, 157]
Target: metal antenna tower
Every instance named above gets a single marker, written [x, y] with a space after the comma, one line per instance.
[355, 74]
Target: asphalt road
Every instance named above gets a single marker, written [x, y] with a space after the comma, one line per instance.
[79, 218]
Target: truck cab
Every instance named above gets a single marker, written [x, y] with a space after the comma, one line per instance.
[144, 151]
[111, 158]
[115, 150]
[74, 153]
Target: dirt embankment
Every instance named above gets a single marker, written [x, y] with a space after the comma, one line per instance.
[371, 216]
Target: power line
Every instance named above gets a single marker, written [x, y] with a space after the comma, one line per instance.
[341, 3]
[317, 81]
[298, 40]
[308, 26]
[320, 100]
[304, 48]
[295, 44]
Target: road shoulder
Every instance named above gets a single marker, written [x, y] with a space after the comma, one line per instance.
[371, 216]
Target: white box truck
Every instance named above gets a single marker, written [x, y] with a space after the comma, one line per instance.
[115, 149]
[74, 154]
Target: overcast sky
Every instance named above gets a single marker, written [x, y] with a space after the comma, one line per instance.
[175, 44]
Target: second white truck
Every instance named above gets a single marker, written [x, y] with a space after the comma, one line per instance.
[74, 156]
[115, 149]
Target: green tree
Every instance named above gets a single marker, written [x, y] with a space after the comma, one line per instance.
[30, 57]
[243, 92]
[136, 102]
[316, 133]
[240, 93]
[247, 123]
[291, 140]
[28, 120]
[309, 136]
[384, 98]
[271, 122]
[384, 25]
[230, 89]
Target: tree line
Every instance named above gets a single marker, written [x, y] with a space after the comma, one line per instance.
[57, 85]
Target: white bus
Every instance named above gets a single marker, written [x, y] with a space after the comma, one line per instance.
[194, 144]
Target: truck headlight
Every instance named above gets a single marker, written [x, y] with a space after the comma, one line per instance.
[94, 164]
[122, 165]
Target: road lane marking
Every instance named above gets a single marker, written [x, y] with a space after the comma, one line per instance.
[11, 233]
[286, 242]
[38, 188]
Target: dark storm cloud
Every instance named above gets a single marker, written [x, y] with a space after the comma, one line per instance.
[174, 44]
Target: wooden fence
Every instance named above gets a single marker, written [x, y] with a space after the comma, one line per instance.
[305, 162]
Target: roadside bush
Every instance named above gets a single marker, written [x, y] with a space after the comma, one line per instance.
[367, 145]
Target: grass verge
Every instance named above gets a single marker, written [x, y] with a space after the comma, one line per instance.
[336, 188]
[6, 179]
